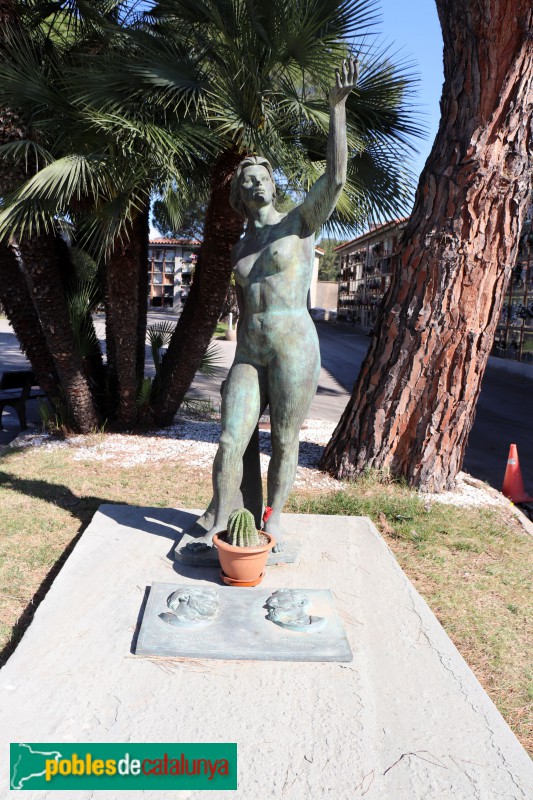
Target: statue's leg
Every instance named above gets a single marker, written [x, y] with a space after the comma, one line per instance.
[251, 491]
[292, 382]
[241, 407]
[250, 494]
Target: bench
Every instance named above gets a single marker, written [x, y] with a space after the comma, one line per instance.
[16, 388]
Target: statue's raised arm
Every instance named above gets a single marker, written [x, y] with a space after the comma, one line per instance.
[324, 194]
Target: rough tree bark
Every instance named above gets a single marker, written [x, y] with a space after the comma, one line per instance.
[126, 306]
[223, 226]
[18, 305]
[142, 303]
[14, 292]
[38, 259]
[414, 402]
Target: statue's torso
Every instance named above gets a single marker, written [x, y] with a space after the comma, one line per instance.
[274, 267]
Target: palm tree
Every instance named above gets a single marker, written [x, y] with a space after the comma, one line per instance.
[44, 332]
[100, 166]
[265, 71]
[32, 286]
[14, 292]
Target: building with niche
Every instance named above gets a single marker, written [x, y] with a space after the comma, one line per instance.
[367, 263]
[171, 265]
[366, 266]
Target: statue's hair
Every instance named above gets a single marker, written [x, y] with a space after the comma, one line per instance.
[235, 193]
[296, 597]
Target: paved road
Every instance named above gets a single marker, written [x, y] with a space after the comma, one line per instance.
[504, 412]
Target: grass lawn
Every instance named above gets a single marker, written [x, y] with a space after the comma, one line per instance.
[472, 565]
[220, 330]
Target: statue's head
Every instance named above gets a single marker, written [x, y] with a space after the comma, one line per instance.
[285, 600]
[194, 602]
[236, 198]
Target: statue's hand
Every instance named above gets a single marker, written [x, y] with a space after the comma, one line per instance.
[345, 81]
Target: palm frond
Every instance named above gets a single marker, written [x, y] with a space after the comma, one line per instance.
[144, 395]
[46, 196]
[211, 365]
[26, 151]
[81, 301]
[159, 335]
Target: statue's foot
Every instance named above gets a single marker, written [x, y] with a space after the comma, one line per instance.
[200, 545]
[202, 525]
[198, 530]
[197, 546]
[204, 542]
[273, 528]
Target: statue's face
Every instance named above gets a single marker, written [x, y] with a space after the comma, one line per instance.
[256, 186]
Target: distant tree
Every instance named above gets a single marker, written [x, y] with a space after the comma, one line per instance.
[189, 224]
[329, 263]
[414, 402]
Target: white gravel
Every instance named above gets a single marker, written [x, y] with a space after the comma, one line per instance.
[468, 492]
[195, 440]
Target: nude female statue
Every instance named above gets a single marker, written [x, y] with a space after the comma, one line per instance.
[277, 361]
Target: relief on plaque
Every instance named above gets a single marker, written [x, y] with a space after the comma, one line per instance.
[289, 608]
[191, 607]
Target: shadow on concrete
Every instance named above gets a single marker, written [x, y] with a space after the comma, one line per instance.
[58, 495]
[169, 523]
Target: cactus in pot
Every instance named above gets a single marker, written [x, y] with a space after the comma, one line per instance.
[243, 550]
[241, 529]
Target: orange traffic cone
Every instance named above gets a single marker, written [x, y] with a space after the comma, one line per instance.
[513, 485]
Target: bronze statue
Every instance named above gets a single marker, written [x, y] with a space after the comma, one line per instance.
[277, 361]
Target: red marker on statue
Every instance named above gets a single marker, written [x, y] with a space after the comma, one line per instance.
[267, 513]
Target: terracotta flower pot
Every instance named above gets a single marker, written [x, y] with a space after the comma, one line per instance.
[243, 564]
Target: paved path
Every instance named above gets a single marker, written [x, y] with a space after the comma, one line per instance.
[503, 414]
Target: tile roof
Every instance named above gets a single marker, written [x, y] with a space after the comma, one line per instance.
[372, 230]
[167, 240]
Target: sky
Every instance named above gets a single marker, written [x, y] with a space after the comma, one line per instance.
[412, 29]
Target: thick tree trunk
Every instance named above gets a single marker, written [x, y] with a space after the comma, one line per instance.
[38, 259]
[143, 229]
[191, 338]
[413, 405]
[85, 336]
[14, 291]
[124, 296]
[19, 308]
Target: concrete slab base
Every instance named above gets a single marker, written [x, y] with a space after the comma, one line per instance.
[406, 720]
